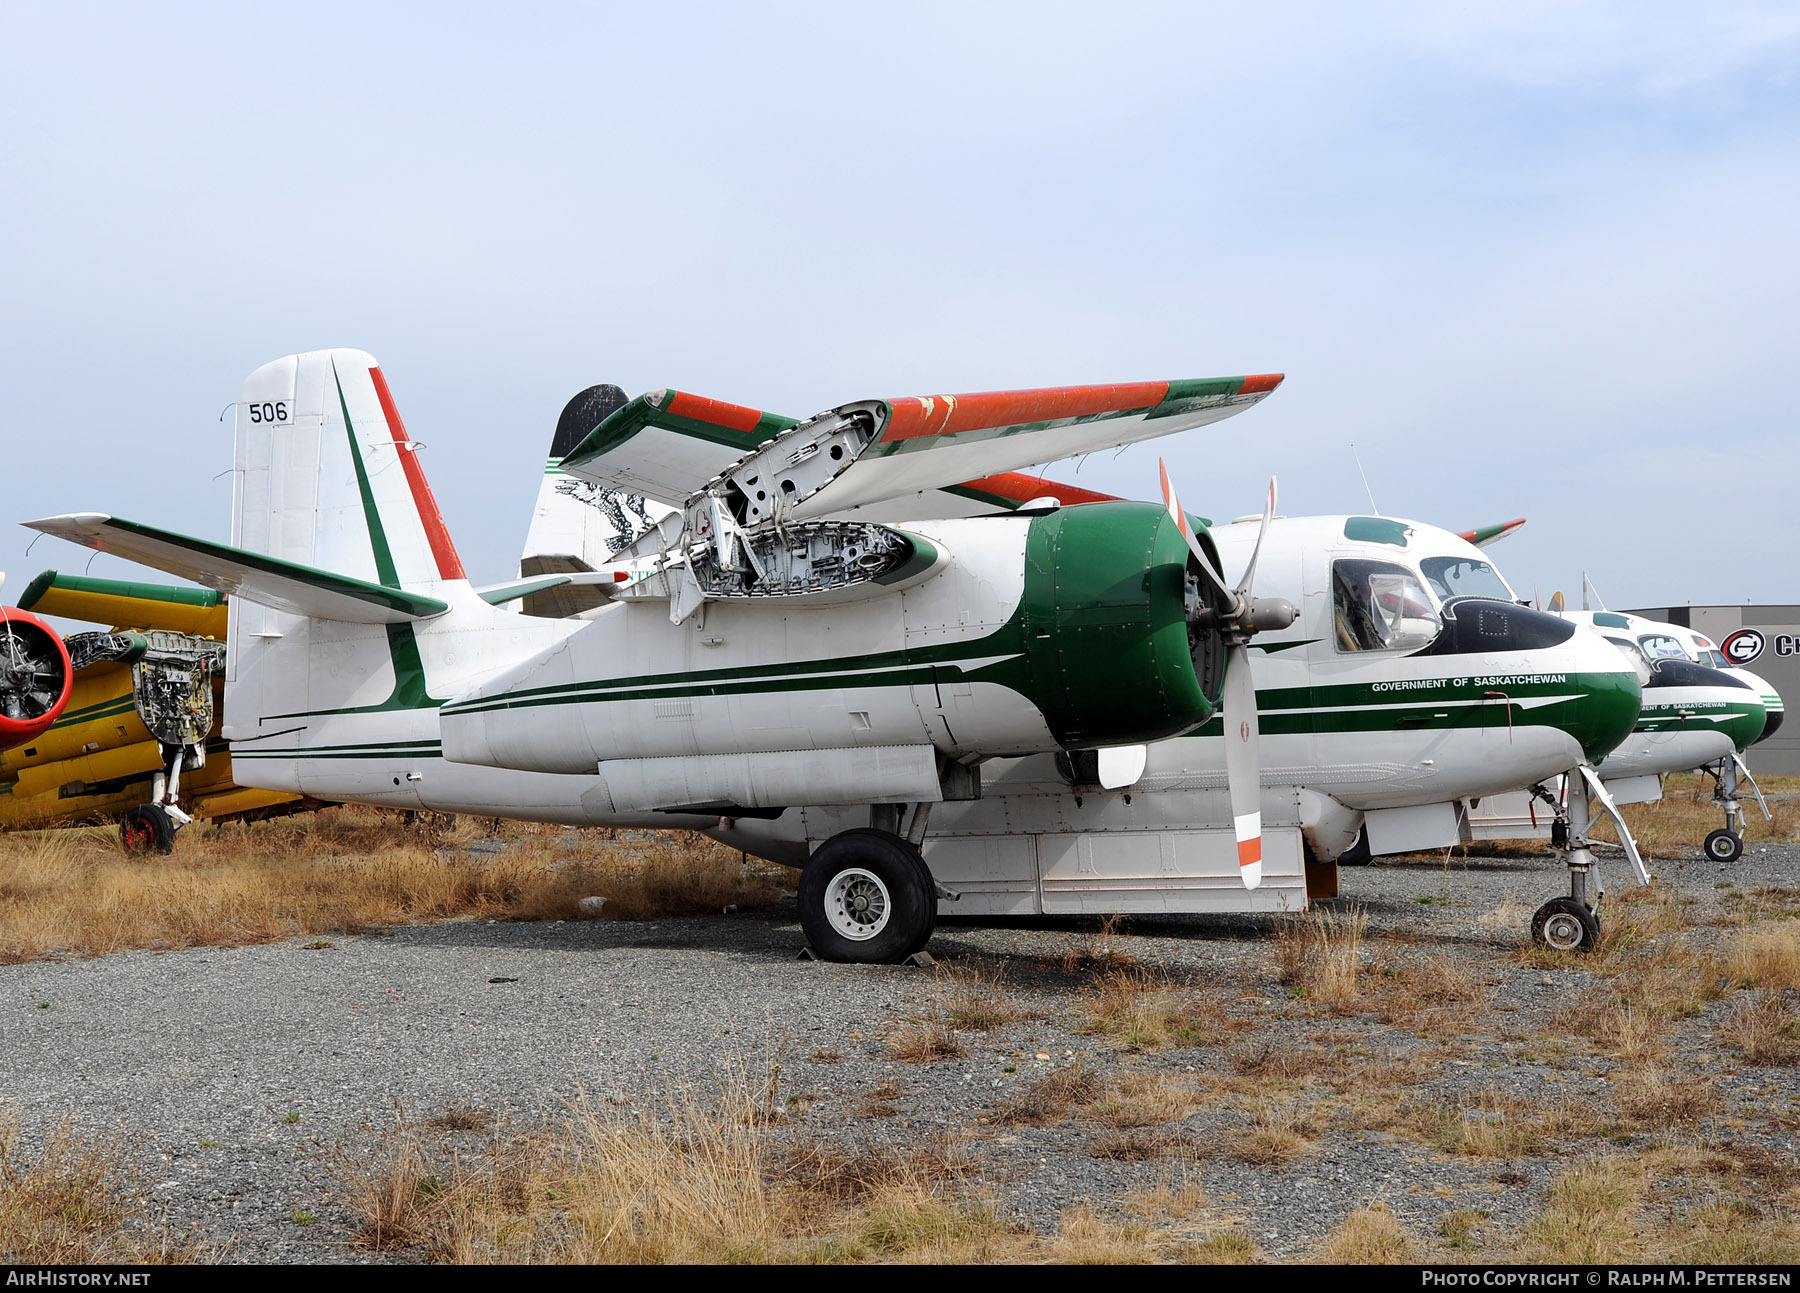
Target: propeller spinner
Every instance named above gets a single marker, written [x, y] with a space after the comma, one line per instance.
[1247, 615]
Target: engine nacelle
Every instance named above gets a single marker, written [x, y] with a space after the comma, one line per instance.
[35, 677]
[1077, 628]
[1119, 626]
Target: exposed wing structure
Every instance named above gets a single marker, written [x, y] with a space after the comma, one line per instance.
[666, 444]
[285, 585]
[916, 457]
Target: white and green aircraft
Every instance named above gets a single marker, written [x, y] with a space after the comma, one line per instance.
[1699, 712]
[777, 650]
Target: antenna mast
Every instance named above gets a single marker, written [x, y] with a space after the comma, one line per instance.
[1365, 479]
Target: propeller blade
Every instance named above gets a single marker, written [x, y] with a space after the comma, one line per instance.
[1243, 588]
[1243, 769]
[1173, 505]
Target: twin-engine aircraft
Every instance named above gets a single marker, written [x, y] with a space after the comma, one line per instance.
[1379, 709]
[781, 647]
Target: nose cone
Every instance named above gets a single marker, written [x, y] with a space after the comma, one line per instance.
[1711, 699]
[1610, 696]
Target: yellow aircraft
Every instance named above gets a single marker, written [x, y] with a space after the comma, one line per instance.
[138, 742]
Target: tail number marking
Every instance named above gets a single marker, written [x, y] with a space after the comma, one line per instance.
[269, 411]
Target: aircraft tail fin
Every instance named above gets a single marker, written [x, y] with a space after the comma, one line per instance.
[328, 477]
[577, 526]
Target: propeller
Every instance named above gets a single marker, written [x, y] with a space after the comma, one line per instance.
[1246, 615]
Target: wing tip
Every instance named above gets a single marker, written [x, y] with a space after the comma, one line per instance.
[1261, 383]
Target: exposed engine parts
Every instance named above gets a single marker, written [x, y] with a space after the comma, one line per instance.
[32, 673]
[807, 558]
[171, 676]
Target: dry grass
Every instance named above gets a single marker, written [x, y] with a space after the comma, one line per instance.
[977, 997]
[1137, 1100]
[1320, 952]
[1051, 1098]
[1370, 1237]
[1142, 1009]
[76, 1203]
[1766, 956]
[1497, 1125]
[74, 892]
[924, 1041]
[1762, 1030]
[1590, 1217]
[1665, 1101]
[1280, 1132]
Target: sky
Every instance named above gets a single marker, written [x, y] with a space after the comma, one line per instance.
[1531, 259]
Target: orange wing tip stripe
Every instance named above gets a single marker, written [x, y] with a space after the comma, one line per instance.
[1250, 852]
[734, 417]
[437, 534]
[1261, 383]
[929, 415]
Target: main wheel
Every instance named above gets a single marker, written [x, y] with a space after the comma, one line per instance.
[866, 895]
[147, 829]
[1358, 853]
[1723, 846]
[1564, 925]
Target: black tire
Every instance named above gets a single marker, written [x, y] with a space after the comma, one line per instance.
[1358, 853]
[880, 916]
[147, 829]
[1723, 846]
[1564, 925]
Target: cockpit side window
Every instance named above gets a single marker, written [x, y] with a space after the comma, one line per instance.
[1464, 577]
[1660, 646]
[1379, 606]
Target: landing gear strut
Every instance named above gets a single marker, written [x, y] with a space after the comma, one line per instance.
[1572, 924]
[1729, 774]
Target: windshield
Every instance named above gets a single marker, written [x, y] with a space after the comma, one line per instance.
[1464, 577]
[1631, 652]
[1660, 646]
[1378, 606]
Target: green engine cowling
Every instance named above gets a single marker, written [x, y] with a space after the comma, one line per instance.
[1118, 634]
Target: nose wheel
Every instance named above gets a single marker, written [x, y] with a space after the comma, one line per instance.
[1565, 925]
[1723, 846]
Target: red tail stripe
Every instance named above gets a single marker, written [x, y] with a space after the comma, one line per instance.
[436, 533]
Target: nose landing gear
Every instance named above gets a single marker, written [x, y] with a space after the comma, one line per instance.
[1572, 924]
[1729, 774]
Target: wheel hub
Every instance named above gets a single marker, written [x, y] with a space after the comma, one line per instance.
[857, 904]
[1564, 931]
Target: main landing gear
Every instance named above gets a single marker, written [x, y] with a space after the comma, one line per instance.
[1729, 774]
[866, 895]
[1572, 924]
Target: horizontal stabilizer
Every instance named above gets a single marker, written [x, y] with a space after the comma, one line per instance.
[268, 581]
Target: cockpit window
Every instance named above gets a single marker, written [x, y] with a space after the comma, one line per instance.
[1715, 659]
[1626, 645]
[1464, 577]
[1660, 646]
[1377, 606]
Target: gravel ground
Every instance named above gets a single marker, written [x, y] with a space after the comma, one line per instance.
[240, 1078]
